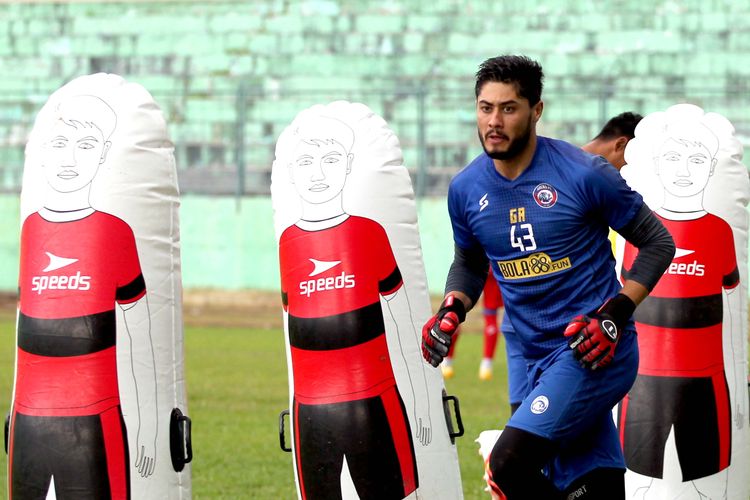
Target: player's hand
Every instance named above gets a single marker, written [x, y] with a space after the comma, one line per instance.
[145, 456]
[593, 337]
[145, 461]
[424, 430]
[437, 333]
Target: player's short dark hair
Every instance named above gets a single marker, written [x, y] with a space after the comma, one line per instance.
[620, 125]
[521, 71]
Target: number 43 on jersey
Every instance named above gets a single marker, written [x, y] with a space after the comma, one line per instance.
[521, 232]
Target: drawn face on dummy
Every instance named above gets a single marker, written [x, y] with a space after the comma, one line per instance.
[321, 160]
[685, 162]
[77, 143]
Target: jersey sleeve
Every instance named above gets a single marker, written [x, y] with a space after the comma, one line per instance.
[462, 234]
[607, 193]
[389, 275]
[130, 283]
[283, 262]
[731, 273]
[24, 251]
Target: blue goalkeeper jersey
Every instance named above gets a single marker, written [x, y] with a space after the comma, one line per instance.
[545, 234]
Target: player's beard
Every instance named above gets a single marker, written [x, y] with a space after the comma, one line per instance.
[514, 148]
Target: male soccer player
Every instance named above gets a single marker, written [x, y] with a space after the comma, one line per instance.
[610, 142]
[544, 231]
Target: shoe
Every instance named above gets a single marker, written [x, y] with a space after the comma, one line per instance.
[485, 373]
[448, 371]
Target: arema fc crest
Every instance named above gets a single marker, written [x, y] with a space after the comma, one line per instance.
[545, 195]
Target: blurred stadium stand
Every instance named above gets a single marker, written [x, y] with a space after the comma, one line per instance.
[231, 75]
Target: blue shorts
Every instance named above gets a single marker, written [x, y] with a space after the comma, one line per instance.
[572, 406]
[518, 385]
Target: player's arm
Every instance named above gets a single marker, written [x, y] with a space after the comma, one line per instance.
[398, 305]
[594, 336]
[736, 341]
[138, 326]
[655, 252]
[466, 278]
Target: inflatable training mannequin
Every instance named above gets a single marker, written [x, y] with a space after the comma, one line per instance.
[99, 388]
[684, 424]
[367, 413]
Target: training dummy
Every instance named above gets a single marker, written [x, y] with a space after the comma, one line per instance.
[684, 424]
[367, 416]
[99, 391]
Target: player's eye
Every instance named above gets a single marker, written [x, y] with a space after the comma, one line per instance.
[698, 160]
[303, 163]
[671, 157]
[508, 109]
[85, 145]
[59, 144]
[330, 159]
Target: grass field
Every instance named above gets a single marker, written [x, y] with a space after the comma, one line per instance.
[237, 385]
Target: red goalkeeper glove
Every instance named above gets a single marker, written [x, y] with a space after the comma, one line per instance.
[593, 337]
[437, 333]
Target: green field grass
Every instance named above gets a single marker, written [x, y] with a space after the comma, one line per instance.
[237, 385]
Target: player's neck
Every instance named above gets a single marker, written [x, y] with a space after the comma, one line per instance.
[513, 167]
[67, 202]
[595, 147]
[679, 205]
[332, 209]
[65, 216]
[319, 225]
[680, 215]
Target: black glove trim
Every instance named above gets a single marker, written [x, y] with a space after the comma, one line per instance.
[620, 308]
[452, 304]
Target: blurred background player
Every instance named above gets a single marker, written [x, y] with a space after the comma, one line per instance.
[492, 301]
[614, 136]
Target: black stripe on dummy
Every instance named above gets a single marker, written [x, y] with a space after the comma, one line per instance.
[731, 279]
[82, 471]
[131, 290]
[337, 331]
[390, 283]
[67, 336]
[359, 430]
[688, 312]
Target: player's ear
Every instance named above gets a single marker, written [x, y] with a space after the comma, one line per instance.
[349, 160]
[620, 143]
[289, 172]
[105, 150]
[713, 166]
[537, 110]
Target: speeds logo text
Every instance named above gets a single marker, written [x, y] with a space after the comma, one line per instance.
[343, 280]
[309, 287]
[57, 282]
[74, 282]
